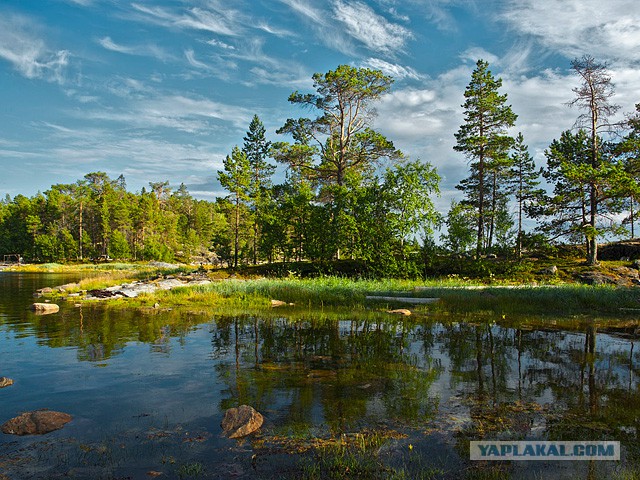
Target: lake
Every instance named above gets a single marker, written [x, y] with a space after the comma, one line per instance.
[344, 394]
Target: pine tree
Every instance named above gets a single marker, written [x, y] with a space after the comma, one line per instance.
[236, 179]
[593, 96]
[483, 139]
[256, 148]
[524, 181]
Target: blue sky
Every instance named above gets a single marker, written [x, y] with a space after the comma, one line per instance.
[162, 90]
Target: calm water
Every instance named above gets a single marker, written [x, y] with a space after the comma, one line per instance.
[148, 389]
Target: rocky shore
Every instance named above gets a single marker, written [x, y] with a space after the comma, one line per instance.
[128, 290]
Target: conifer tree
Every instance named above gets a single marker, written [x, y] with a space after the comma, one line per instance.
[236, 179]
[256, 148]
[524, 182]
[484, 140]
[593, 96]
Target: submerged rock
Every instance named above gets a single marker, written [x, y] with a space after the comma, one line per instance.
[279, 303]
[241, 421]
[5, 382]
[38, 422]
[45, 308]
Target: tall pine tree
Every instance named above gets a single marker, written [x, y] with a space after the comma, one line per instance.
[484, 140]
[524, 182]
[256, 148]
[236, 179]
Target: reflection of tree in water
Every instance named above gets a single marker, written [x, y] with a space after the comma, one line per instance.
[162, 344]
[315, 370]
[537, 381]
[99, 333]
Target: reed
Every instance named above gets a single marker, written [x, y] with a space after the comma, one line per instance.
[341, 292]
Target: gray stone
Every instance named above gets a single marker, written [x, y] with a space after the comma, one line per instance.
[596, 278]
[5, 382]
[242, 421]
[45, 308]
[38, 422]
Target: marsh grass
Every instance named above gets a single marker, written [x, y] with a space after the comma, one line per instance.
[454, 298]
[350, 456]
[457, 294]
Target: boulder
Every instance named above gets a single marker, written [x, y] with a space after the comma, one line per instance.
[38, 422]
[5, 382]
[279, 303]
[552, 270]
[45, 308]
[241, 421]
[597, 278]
[400, 311]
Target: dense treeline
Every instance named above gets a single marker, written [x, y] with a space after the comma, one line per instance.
[97, 216]
[348, 193]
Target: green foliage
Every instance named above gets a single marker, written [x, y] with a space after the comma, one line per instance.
[484, 140]
[460, 235]
[118, 245]
[584, 197]
[96, 215]
[236, 179]
[335, 154]
[524, 180]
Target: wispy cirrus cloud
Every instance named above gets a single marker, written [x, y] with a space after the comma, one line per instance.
[217, 20]
[176, 112]
[22, 46]
[83, 149]
[575, 27]
[139, 50]
[82, 3]
[398, 72]
[372, 30]
[357, 24]
[309, 11]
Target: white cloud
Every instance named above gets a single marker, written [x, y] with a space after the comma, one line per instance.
[140, 158]
[109, 44]
[371, 29]
[176, 112]
[308, 10]
[474, 54]
[398, 72]
[191, 58]
[21, 46]
[217, 43]
[221, 21]
[608, 30]
[140, 50]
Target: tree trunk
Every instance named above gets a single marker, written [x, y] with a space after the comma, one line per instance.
[592, 254]
[237, 233]
[520, 194]
[255, 239]
[631, 218]
[480, 237]
[80, 231]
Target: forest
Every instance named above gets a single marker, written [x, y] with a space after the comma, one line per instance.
[349, 194]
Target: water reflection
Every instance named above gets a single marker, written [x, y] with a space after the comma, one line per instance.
[321, 373]
[440, 380]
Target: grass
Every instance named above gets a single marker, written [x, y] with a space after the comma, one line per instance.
[188, 470]
[458, 294]
[454, 298]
